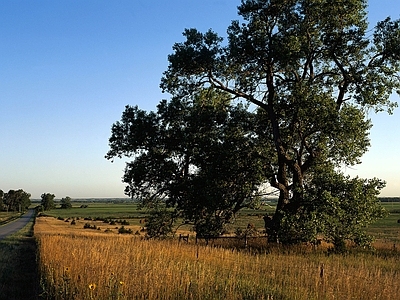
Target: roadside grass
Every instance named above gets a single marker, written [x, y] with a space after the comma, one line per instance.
[7, 216]
[18, 269]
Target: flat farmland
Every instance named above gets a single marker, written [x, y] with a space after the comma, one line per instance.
[386, 231]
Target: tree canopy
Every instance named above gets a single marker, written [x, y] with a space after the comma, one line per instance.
[15, 200]
[66, 203]
[1, 199]
[186, 154]
[311, 72]
[47, 201]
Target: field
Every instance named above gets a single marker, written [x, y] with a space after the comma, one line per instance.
[386, 231]
[77, 263]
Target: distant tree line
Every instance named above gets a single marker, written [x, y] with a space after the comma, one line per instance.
[19, 200]
[14, 200]
[389, 199]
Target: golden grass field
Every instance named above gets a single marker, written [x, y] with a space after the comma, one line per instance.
[77, 263]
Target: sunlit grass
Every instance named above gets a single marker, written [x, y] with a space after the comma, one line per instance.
[6, 216]
[77, 264]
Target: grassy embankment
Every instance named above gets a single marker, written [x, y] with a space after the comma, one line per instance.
[6, 217]
[92, 264]
[18, 274]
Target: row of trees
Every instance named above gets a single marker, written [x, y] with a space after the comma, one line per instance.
[283, 104]
[14, 200]
[19, 200]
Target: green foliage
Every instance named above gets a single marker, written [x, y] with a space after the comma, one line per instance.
[186, 155]
[16, 200]
[284, 102]
[312, 71]
[1, 199]
[48, 201]
[210, 226]
[344, 206]
[66, 203]
[160, 223]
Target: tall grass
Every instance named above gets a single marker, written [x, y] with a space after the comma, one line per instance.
[98, 266]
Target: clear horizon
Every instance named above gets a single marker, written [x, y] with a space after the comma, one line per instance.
[68, 68]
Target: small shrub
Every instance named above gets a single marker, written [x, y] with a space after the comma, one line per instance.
[160, 223]
[89, 226]
[123, 230]
[251, 230]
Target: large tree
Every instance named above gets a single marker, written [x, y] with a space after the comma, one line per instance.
[47, 201]
[66, 203]
[200, 156]
[314, 71]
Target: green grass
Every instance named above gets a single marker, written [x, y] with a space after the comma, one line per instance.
[99, 210]
[18, 271]
[386, 229]
[392, 207]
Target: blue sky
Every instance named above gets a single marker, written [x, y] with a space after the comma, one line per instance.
[69, 67]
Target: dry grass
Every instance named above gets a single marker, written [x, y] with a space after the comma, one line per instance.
[88, 264]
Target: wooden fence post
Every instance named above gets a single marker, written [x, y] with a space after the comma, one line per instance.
[321, 273]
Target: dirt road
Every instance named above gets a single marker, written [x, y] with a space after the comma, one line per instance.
[16, 225]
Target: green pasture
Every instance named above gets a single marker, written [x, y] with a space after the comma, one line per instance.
[387, 229]
[391, 207]
[99, 210]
